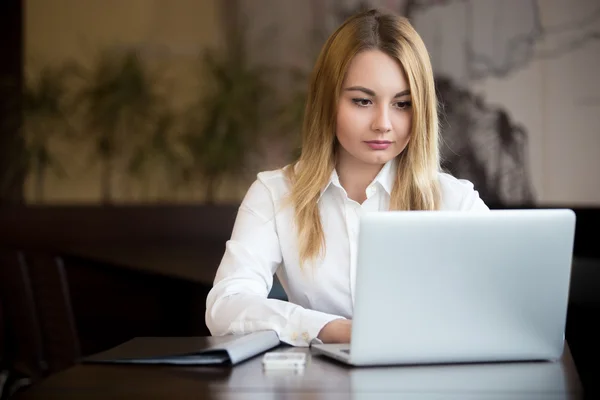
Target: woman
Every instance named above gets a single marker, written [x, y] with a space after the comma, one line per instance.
[370, 143]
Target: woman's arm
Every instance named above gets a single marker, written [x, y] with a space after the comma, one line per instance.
[238, 302]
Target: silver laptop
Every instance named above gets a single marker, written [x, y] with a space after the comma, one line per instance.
[450, 287]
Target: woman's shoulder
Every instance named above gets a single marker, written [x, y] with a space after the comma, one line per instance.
[275, 180]
[269, 184]
[266, 192]
[274, 176]
[459, 193]
[450, 182]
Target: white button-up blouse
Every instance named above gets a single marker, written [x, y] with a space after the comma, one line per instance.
[264, 243]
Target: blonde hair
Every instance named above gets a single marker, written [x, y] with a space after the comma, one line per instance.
[416, 186]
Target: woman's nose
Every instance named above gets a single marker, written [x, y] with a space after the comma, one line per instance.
[381, 122]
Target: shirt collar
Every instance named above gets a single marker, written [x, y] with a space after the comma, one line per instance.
[333, 180]
[385, 178]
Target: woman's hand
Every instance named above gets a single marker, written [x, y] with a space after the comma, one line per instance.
[336, 331]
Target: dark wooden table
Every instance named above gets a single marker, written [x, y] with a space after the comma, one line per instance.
[321, 379]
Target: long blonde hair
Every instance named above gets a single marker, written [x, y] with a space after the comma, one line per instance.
[416, 186]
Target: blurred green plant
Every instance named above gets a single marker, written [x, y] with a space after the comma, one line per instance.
[160, 150]
[224, 126]
[46, 116]
[120, 103]
[133, 128]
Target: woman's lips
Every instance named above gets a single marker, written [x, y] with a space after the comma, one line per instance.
[378, 144]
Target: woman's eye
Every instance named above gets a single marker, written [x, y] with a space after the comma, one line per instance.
[403, 105]
[361, 102]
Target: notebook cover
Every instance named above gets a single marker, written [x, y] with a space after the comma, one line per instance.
[209, 350]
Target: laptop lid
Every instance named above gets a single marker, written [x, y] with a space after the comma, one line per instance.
[447, 286]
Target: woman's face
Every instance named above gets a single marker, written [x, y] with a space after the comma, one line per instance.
[374, 113]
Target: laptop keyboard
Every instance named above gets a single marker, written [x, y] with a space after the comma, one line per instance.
[347, 351]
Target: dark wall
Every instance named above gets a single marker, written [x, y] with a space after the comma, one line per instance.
[12, 150]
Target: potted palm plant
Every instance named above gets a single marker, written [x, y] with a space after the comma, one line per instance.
[119, 101]
[224, 125]
[46, 116]
[160, 152]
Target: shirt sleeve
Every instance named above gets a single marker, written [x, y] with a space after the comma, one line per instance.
[471, 201]
[238, 302]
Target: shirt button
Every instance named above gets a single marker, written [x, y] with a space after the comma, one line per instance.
[294, 336]
[305, 336]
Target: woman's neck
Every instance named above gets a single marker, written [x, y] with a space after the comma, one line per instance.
[355, 176]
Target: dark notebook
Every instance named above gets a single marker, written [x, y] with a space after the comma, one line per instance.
[210, 350]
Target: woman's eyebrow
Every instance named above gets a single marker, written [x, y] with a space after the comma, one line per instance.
[372, 93]
[360, 89]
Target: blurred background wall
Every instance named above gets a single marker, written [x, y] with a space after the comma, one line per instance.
[517, 79]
